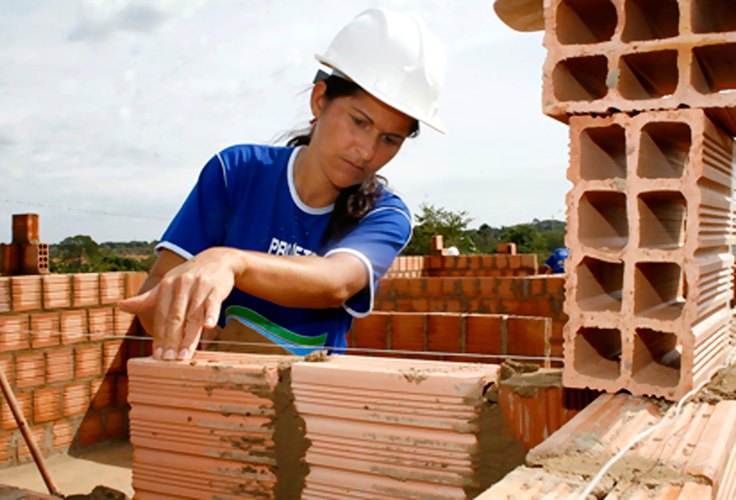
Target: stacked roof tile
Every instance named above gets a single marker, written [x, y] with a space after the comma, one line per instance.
[221, 426]
[383, 428]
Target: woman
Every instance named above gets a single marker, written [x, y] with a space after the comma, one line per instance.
[291, 241]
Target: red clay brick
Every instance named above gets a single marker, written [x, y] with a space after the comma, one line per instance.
[57, 291]
[433, 287]
[62, 433]
[76, 398]
[39, 435]
[483, 334]
[29, 369]
[8, 448]
[26, 228]
[114, 356]
[111, 288]
[26, 293]
[59, 365]
[506, 288]
[450, 287]
[124, 323]
[133, 283]
[420, 305]
[45, 328]
[4, 295]
[7, 421]
[116, 423]
[444, 333]
[102, 391]
[371, 332]
[88, 361]
[85, 290]
[14, 332]
[90, 430]
[101, 323]
[408, 332]
[454, 305]
[73, 326]
[529, 336]
[470, 287]
[46, 404]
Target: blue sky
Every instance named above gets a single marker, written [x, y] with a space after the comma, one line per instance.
[111, 107]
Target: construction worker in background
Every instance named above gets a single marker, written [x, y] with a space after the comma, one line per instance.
[287, 243]
[555, 263]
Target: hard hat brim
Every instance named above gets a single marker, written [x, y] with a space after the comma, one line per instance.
[432, 122]
[521, 15]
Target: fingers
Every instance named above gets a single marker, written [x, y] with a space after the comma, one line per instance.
[193, 325]
[173, 325]
[163, 305]
[140, 303]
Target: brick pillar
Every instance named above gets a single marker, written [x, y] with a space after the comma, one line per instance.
[649, 231]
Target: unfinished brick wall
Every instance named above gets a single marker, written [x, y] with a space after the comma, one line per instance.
[58, 351]
[495, 265]
[517, 296]
[639, 55]
[417, 335]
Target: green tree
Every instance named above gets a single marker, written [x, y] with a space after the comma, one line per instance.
[527, 239]
[453, 226]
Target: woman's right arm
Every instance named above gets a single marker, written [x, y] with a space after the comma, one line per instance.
[165, 262]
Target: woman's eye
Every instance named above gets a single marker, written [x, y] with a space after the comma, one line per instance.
[358, 121]
[390, 140]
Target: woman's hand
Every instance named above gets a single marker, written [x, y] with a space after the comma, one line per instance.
[187, 299]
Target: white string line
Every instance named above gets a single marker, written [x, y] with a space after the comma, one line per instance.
[520, 357]
[85, 210]
[665, 420]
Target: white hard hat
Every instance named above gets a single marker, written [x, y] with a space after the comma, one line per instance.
[393, 57]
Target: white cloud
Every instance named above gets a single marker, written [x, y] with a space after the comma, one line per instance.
[121, 118]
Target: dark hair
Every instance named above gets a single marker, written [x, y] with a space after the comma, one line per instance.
[353, 202]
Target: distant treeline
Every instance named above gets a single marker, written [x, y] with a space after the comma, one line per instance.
[537, 236]
[82, 254]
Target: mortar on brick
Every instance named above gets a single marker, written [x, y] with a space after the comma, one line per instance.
[662, 220]
[603, 153]
[599, 285]
[664, 150]
[713, 16]
[581, 78]
[650, 20]
[585, 21]
[714, 68]
[648, 75]
[603, 222]
[598, 352]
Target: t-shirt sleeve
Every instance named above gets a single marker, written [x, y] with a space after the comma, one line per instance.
[377, 239]
[202, 220]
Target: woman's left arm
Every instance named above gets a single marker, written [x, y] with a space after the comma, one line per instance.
[189, 296]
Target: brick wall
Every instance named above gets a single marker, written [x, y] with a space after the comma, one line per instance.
[393, 334]
[518, 296]
[59, 352]
[463, 265]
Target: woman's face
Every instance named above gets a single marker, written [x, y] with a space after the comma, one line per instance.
[355, 136]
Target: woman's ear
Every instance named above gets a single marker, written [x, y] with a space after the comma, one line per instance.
[318, 99]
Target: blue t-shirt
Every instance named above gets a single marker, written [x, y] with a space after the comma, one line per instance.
[556, 261]
[246, 198]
